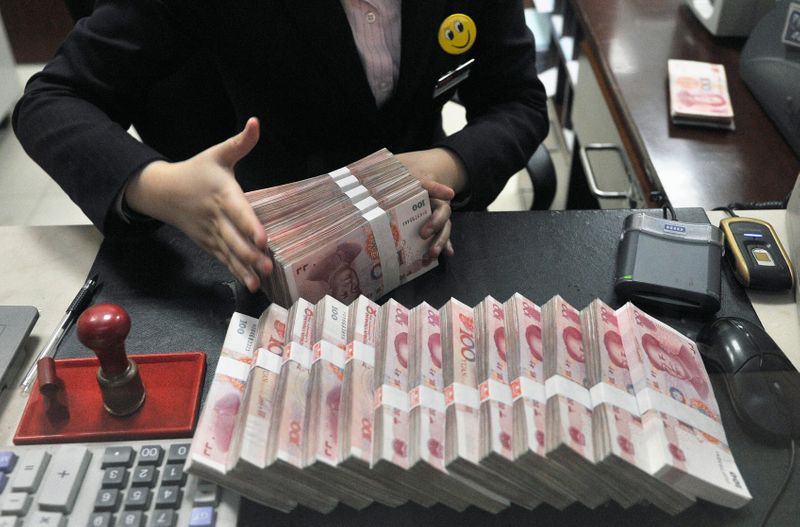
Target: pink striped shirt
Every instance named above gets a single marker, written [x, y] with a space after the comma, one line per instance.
[376, 29]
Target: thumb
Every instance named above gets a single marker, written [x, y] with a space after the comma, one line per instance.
[438, 190]
[230, 151]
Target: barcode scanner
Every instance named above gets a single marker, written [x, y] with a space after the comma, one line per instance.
[757, 256]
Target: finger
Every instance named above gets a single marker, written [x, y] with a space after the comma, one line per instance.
[241, 273]
[243, 257]
[440, 241]
[448, 248]
[241, 215]
[441, 213]
[246, 275]
[241, 248]
[438, 190]
[230, 151]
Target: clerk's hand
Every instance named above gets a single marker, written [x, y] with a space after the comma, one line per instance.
[442, 174]
[201, 197]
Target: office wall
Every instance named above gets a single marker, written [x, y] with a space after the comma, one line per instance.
[35, 27]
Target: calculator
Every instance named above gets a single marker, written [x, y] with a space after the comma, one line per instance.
[123, 484]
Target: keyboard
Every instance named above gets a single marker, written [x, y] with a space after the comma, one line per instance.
[124, 484]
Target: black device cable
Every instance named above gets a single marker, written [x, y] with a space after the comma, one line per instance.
[756, 205]
[759, 205]
[727, 210]
[784, 486]
[668, 207]
[662, 201]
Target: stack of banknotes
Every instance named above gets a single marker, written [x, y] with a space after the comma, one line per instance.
[350, 232]
[500, 404]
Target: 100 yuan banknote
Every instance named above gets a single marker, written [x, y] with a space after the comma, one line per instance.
[384, 252]
[215, 429]
[494, 389]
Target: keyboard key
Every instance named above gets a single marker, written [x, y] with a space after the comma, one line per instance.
[202, 517]
[131, 519]
[30, 471]
[7, 461]
[46, 519]
[173, 475]
[163, 518]
[138, 498]
[63, 479]
[3, 481]
[118, 456]
[107, 500]
[144, 476]
[114, 478]
[10, 521]
[151, 455]
[15, 504]
[206, 493]
[100, 519]
[177, 453]
[168, 497]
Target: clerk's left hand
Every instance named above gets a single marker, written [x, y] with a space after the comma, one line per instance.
[442, 174]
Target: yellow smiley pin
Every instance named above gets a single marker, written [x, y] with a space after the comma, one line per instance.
[457, 34]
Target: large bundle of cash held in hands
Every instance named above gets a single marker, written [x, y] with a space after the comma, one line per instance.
[350, 232]
[502, 403]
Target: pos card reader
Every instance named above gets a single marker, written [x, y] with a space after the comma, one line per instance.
[669, 264]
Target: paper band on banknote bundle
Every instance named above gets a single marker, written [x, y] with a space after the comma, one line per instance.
[297, 353]
[458, 393]
[558, 385]
[357, 194]
[492, 390]
[649, 399]
[366, 204]
[388, 395]
[347, 182]
[241, 335]
[340, 173]
[267, 360]
[384, 241]
[604, 393]
[233, 368]
[426, 398]
[357, 350]
[529, 389]
[324, 350]
[301, 324]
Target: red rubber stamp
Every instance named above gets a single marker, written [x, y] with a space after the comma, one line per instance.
[103, 329]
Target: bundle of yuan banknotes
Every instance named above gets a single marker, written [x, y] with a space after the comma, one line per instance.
[350, 232]
[487, 406]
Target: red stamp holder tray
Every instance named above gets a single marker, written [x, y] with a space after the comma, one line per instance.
[173, 383]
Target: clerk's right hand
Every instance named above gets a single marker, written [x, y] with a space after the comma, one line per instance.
[201, 197]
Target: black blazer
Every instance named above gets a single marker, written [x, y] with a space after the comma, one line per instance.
[293, 64]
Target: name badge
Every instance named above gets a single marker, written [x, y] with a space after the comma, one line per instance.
[452, 78]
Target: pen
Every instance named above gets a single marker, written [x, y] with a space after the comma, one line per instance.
[73, 311]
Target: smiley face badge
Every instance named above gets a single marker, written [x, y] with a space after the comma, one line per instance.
[457, 34]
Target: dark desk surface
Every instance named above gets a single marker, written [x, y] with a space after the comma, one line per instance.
[180, 299]
[632, 40]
